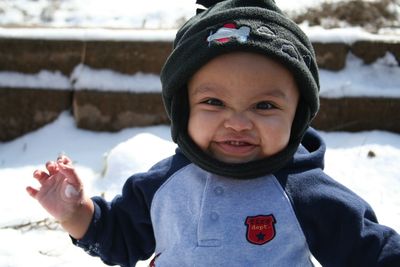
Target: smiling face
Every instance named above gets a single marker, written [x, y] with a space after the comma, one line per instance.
[242, 107]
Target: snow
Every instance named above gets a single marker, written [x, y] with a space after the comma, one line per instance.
[119, 20]
[348, 35]
[42, 80]
[118, 14]
[379, 79]
[70, 191]
[83, 78]
[140, 20]
[89, 34]
[366, 162]
[108, 80]
[105, 160]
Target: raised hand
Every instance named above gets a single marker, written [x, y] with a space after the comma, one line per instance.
[61, 192]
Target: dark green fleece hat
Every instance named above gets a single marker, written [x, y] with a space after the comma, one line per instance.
[221, 27]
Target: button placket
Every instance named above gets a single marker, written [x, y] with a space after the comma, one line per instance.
[210, 226]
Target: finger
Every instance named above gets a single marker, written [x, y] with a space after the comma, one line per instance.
[32, 191]
[64, 160]
[69, 172]
[41, 176]
[52, 167]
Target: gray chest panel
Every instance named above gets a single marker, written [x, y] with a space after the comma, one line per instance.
[200, 219]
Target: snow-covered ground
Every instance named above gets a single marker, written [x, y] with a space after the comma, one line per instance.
[367, 162]
[115, 20]
[150, 14]
[105, 160]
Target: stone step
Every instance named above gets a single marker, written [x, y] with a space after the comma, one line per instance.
[32, 55]
[23, 110]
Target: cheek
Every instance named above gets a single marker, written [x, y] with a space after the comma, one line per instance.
[199, 129]
[275, 136]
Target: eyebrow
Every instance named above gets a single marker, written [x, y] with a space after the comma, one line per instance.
[203, 89]
[275, 93]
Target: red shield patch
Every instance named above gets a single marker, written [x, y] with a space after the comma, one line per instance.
[260, 229]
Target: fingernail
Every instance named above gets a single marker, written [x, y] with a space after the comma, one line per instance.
[61, 155]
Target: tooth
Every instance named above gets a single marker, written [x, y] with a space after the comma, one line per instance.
[235, 143]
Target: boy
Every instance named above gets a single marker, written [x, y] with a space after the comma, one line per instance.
[246, 186]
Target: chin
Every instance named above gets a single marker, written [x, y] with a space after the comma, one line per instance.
[235, 160]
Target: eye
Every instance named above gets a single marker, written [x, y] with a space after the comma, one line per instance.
[213, 102]
[264, 105]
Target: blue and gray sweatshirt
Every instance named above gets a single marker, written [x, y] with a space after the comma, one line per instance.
[190, 217]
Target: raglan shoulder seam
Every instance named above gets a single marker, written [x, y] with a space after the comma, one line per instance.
[289, 201]
[167, 180]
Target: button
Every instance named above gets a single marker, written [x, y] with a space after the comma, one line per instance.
[219, 191]
[214, 216]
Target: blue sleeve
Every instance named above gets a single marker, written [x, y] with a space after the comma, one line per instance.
[341, 229]
[121, 231]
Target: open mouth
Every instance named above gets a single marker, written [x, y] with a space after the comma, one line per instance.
[235, 147]
[236, 143]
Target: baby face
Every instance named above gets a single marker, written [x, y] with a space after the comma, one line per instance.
[242, 107]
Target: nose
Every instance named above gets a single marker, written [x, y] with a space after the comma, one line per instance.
[238, 122]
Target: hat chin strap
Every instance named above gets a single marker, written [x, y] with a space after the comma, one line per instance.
[248, 170]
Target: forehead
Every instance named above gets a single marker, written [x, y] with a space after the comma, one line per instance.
[243, 57]
[243, 71]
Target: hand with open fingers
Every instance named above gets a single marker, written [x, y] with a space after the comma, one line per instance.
[61, 190]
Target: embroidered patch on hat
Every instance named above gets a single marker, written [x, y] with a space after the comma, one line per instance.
[260, 229]
[290, 50]
[265, 30]
[228, 32]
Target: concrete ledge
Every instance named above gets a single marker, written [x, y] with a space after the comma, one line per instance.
[370, 51]
[31, 56]
[332, 56]
[24, 110]
[358, 114]
[127, 57]
[113, 111]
